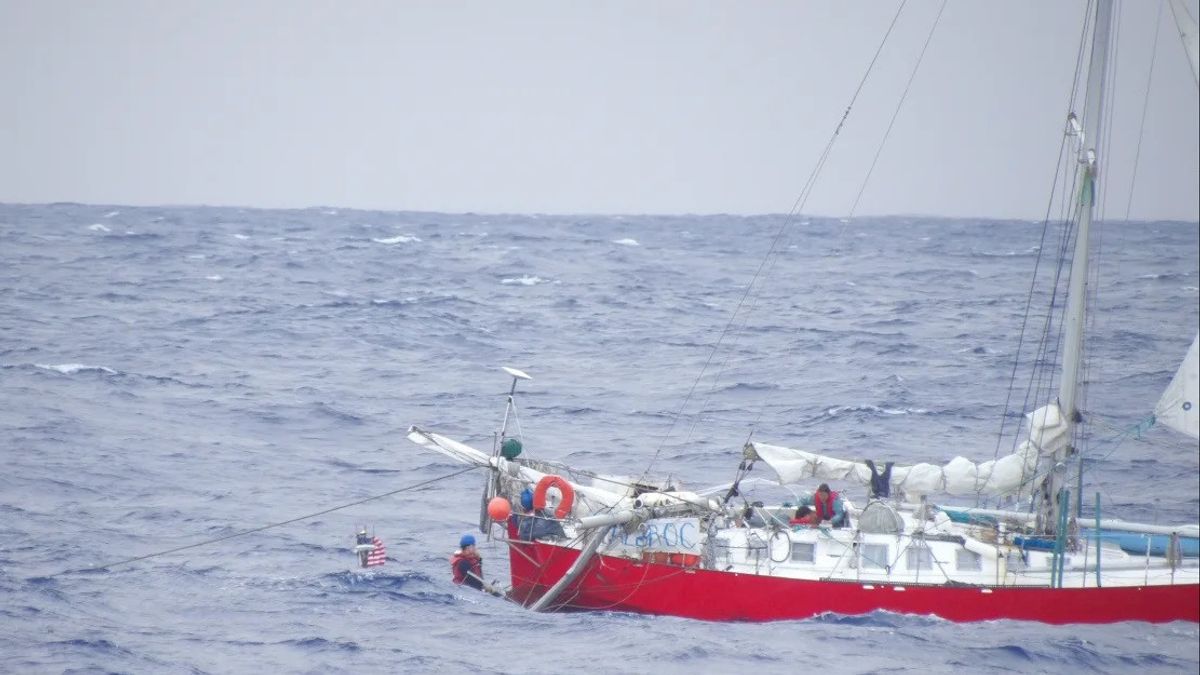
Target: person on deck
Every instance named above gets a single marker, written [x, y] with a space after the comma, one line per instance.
[827, 505]
[466, 565]
[534, 524]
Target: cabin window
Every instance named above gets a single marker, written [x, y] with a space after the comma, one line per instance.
[965, 560]
[874, 556]
[918, 558]
[803, 552]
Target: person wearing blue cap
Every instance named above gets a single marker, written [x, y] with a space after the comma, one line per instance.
[534, 524]
[466, 565]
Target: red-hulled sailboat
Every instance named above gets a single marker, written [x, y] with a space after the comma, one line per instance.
[644, 546]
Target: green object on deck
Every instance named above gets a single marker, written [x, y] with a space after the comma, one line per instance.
[510, 448]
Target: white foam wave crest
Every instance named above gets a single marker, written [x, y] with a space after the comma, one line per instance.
[524, 280]
[73, 368]
[97, 227]
[241, 236]
[400, 239]
[626, 242]
[838, 410]
[110, 214]
[215, 277]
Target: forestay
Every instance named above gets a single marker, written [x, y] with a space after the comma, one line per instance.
[1178, 406]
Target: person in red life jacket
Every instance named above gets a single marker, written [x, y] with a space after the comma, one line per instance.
[467, 566]
[827, 505]
[804, 516]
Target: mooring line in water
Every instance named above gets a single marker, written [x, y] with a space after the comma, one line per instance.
[265, 527]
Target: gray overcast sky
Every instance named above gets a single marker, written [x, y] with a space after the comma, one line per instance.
[573, 107]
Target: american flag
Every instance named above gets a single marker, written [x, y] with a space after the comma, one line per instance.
[378, 555]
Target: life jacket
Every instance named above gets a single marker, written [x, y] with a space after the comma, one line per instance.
[476, 566]
[824, 509]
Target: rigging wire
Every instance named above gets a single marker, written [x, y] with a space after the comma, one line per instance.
[1132, 179]
[772, 251]
[799, 205]
[896, 113]
[1060, 162]
[269, 526]
[1145, 104]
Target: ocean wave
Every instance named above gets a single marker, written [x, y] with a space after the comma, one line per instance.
[524, 280]
[872, 410]
[75, 368]
[398, 239]
[626, 242]
[1165, 276]
[320, 644]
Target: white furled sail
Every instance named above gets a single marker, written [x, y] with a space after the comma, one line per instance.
[960, 476]
[1190, 35]
[1179, 407]
[467, 455]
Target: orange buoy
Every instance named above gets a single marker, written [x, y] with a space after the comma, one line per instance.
[499, 509]
[568, 495]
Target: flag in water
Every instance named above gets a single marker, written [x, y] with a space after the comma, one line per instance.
[378, 555]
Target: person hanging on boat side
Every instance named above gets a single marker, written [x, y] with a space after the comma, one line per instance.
[827, 505]
[467, 566]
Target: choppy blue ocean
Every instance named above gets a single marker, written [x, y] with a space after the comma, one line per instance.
[170, 375]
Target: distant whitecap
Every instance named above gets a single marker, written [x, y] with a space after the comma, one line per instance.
[215, 277]
[524, 280]
[627, 242]
[72, 368]
[241, 236]
[873, 409]
[110, 214]
[97, 227]
[402, 239]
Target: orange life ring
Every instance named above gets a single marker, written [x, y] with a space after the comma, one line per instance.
[568, 495]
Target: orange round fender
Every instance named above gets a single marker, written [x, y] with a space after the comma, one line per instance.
[568, 495]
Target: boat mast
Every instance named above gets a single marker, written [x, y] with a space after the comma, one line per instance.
[1089, 169]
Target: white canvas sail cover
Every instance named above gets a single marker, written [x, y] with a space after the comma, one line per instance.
[1178, 406]
[960, 476]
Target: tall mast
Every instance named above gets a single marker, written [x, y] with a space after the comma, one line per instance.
[1089, 169]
